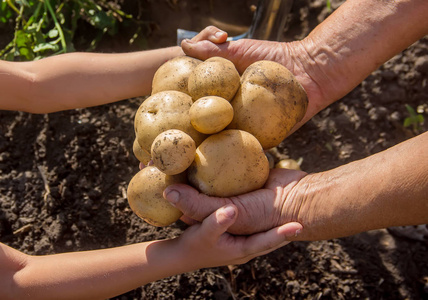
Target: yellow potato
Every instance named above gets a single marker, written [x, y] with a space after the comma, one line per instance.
[174, 74]
[229, 163]
[269, 103]
[145, 196]
[288, 163]
[215, 76]
[173, 151]
[163, 111]
[211, 114]
[141, 154]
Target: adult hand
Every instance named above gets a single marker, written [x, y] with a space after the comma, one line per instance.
[244, 52]
[383, 190]
[258, 211]
[337, 55]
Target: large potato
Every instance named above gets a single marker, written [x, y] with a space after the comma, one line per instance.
[229, 163]
[269, 102]
[216, 76]
[211, 114]
[145, 196]
[174, 74]
[173, 151]
[163, 111]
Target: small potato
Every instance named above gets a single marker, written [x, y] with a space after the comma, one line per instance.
[229, 163]
[173, 151]
[163, 111]
[216, 76]
[269, 103]
[174, 74]
[145, 196]
[141, 154]
[211, 114]
[288, 163]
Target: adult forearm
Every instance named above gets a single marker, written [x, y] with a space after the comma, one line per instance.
[357, 38]
[78, 80]
[386, 189]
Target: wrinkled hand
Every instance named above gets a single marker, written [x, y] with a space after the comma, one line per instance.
[208, 244]
[211, 42]
[258, 211]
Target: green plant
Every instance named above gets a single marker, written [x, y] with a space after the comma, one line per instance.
[328, 3]
[414, 119]
[47, 27]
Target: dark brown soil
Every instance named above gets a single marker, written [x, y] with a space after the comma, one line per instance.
[63, 178]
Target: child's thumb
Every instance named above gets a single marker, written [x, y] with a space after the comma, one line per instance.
[219, 221]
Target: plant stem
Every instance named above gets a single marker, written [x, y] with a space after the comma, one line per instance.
[57, 25]
[9, 2]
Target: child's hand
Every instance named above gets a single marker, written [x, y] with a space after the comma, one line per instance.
[208, 245]
[212, 34]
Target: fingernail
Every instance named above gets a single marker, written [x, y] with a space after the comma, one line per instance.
[289, 232]
[229, 212]
[218, 34]
[173, 196]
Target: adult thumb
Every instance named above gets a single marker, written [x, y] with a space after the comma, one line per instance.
[191, 203]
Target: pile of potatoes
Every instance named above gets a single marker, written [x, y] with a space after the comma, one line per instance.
[208, 126]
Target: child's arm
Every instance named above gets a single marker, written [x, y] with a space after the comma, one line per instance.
[101, 274]
[77, 80]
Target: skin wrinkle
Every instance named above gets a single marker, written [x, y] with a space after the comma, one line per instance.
[241, 207]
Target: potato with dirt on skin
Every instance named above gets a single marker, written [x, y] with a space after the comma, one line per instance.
[211, 114]
[163, 111]
[269, 103]
[142, 155]
[174, 74]
[145, 196]
[215, 76]
[173, 151]
[229, 163]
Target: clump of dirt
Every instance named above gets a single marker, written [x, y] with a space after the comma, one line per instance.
[63, 179]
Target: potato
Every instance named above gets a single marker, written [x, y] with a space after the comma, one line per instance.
[145, 196]
[215, 76]
[211, 114]
[173, 151]
[288, 163]
[174, 74]
[141, 154]
[269, 103]
[229, 163]
[163, 111]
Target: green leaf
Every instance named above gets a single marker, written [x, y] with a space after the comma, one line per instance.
[45, 47]
[53, 33]
[407, 122]
[410, 110]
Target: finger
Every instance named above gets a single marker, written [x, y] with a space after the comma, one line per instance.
[217, 223]
[265, 242]
[193, 204]
[212, 34]
[204, 49]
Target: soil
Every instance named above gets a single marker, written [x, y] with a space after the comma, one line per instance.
[63, 178]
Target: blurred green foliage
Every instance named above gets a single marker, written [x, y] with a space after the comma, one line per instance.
[48, 27]
[414, 119]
